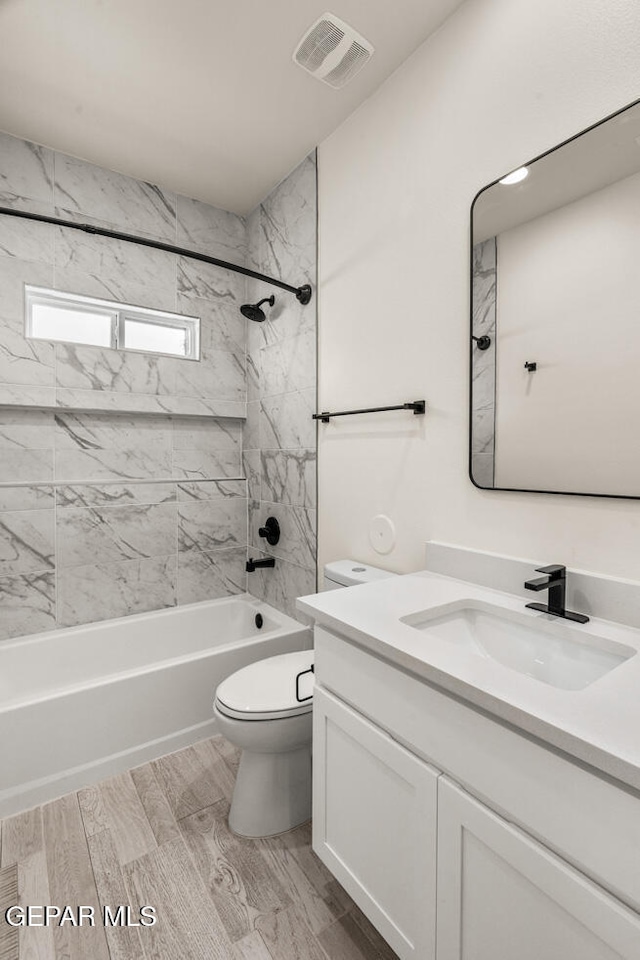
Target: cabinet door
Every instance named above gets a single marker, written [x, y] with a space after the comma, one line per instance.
[374, 824]
[503, 896]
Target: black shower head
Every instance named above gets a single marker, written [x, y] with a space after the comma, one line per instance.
[254, 311]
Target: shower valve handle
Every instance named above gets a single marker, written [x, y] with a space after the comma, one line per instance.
[270, 531]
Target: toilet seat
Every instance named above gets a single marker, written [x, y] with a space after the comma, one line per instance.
[266, 690]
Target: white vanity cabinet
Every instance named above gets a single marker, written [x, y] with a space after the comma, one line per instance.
[434, 816]
[374, 824]
[502, 895]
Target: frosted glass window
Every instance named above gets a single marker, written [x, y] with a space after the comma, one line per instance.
[54, 315]
[51, 322]
[155, 337]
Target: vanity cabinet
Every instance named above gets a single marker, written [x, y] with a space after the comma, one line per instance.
[501, 894]
[434, 816]
[374, 824]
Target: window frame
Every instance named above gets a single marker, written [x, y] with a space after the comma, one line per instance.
[118, 313]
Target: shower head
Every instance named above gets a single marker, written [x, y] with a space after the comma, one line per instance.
[254, 311]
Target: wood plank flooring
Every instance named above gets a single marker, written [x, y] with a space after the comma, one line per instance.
[158, 836]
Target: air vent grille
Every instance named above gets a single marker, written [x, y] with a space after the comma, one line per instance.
[353, 60]
[332, 51]
[317, 45]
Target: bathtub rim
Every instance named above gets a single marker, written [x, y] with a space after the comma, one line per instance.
[96, 626]
[283, 622]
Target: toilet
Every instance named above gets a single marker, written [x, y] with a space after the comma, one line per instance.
[266, 710]
[349, 573]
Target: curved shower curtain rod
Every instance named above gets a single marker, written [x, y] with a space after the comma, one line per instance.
[303, 293]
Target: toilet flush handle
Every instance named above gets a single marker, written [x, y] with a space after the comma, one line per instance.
[301, 674]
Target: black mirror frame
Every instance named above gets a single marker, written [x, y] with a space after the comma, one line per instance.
[562, 493]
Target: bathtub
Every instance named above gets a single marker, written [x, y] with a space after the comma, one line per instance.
[85, 703]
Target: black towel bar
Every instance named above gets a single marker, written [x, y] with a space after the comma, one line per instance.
[418, 406]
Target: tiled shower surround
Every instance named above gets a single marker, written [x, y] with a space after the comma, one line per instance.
[122, 485]
[484, 362]
[280, 436]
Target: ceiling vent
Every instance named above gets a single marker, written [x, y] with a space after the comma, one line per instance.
[332, 51]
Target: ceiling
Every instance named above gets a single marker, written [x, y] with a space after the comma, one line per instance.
[201, 96]
[604, 155]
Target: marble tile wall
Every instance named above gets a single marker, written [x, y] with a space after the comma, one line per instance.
[41, 180]
[125, 549]
[107, 538]
[114, 511]
[483, 368]
[279, 434]
[109, 513]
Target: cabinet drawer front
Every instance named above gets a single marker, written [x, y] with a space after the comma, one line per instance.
[585, 818]
[501, 894]
[374, 824]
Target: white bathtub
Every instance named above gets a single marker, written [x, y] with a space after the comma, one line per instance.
[81, 704]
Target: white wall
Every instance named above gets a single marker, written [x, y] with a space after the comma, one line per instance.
[501, 81]
[568, 299]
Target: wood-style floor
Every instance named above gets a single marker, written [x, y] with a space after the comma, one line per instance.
[158, 836]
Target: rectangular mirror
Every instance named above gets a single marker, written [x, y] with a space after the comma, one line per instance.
[555, 319]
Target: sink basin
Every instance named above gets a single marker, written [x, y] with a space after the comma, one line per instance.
[547, 650]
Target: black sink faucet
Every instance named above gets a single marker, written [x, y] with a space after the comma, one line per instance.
[556, 583]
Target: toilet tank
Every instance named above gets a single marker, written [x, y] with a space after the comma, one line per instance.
[349, 573]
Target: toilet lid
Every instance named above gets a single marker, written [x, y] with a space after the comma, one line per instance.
[267, 688]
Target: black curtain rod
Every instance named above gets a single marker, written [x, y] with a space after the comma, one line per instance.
[303, 293]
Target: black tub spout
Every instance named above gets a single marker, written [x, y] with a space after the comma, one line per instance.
[255, 564]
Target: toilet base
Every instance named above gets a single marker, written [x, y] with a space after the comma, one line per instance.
[272, 793]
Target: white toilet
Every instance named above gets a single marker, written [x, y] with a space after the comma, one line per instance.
[265, 709]
[349, 573]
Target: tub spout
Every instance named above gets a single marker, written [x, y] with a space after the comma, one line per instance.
[254, 564]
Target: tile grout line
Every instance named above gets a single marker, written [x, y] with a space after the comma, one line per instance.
[56, 577]
[89, 858]
[172, 428]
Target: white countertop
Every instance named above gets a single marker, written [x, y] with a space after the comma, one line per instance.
[599, 724]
